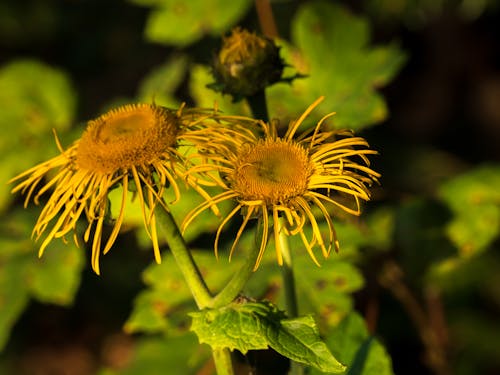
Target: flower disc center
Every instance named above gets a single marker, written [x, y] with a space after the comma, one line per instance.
[132, 135]
[124, 126]
[272, 171]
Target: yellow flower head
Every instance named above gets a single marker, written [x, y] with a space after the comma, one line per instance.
[131, 145]
[276, 178]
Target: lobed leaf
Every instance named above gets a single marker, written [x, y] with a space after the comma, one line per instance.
[55, 278]
[181, 23]
[339, 65]
[362, 353]
[259, 325]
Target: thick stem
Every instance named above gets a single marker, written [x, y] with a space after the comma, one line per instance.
[288, 277]
[183, 257]
[223, 361]
[266, 18]
[238, 281]
[258, 105]
[193, 277]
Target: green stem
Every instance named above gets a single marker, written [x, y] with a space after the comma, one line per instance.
[287, 274]
[183, 257]
[239, 279]
[258, 105]
[223, 361]
[193, 277]
[288, 277]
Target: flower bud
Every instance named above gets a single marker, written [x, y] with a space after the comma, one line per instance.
[246, 64]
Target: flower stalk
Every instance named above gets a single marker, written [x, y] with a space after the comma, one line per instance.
[183, 257]
[288, 277]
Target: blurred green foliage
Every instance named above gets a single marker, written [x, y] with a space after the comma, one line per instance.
[181, 23]
[36, 98]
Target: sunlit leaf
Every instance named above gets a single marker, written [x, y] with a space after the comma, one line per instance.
[362, 353]
[332, 49]
[159, 86]
[206, 222]
[259, 325]
[208, 98]
[54, 278]
[167, 297]
[184, 22]
[458, 274]
[35, 99]
[474, 198]
[326, 290]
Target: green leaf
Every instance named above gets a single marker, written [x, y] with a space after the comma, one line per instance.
[56, 276]
[259, 325]
[181, 23]
[363, 354]
[474, 198]
[206, 222]
[159, 86]
[419, 236]
[332, 50]
[35, 99]
[52, 279]
[206, 98]
[326, 290]
[163, 305]
[164, 356]
[13, 299]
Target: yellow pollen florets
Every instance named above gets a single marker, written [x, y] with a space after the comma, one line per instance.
[272, 171]
[131, 135]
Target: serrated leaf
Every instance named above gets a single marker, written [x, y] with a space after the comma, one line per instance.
[181, 23]
[52, 279]
[259, 325]
[339, 65]
[474, 198]
[362, 353]
[299, 340]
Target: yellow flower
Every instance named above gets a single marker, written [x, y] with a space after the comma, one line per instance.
[272, 177]
[133, 145]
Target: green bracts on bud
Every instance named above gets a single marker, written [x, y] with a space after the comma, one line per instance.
[246, 64]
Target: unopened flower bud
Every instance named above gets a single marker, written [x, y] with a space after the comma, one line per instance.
[246, 64]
